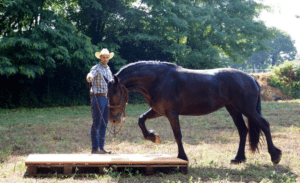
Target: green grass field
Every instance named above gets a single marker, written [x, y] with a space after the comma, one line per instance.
[210, 142]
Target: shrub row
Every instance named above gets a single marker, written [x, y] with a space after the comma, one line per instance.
[287, 78]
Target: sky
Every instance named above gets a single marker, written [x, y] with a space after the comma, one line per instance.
[283, 17]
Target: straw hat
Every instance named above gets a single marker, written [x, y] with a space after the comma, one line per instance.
[104, 51]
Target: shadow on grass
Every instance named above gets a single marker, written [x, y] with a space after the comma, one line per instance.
[135, 174]
[251, 172]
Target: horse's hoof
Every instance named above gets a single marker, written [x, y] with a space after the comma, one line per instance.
[157, 139]
[276, 156]
[154, 138]
[275, 162]
[236, 161]
[184, 157]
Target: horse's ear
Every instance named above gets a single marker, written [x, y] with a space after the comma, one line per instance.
[116, 79]
[106, 80]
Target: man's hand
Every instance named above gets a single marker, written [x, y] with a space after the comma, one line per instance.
[89, 78]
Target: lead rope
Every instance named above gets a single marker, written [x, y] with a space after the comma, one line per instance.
[123, 120]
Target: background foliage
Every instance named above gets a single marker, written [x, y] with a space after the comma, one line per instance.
[43, 58]
[280, 48]
[287, 78]
[47, 46]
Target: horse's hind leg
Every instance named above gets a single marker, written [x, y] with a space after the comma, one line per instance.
[149, 135]
[240, 124]
[263, 124]
[274, 151]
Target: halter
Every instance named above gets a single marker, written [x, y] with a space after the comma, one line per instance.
[117, 106]
[126, 93]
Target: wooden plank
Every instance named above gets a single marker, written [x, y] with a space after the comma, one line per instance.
[150, 170]
[101, 170]
[31, 169]
[68, 161]
[102, 159]
[67, 170]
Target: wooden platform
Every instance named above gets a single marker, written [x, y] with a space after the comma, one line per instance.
[71, 161]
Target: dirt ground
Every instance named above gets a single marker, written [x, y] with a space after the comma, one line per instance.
[269, 93]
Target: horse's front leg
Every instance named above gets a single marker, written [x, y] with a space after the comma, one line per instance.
[149, 135]
[174, 121]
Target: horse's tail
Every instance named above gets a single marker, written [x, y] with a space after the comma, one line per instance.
[253, 129]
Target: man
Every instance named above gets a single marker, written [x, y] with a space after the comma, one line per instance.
[99, 101]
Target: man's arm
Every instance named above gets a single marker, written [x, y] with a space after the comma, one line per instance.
[91, 74]
[89, 77]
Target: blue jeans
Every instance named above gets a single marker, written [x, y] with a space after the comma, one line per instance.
[99, 127]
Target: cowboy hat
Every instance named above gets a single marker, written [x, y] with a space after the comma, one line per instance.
[104, 52]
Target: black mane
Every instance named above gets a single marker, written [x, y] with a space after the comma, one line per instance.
[139, 64]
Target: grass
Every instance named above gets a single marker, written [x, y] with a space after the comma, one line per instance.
[210, 142]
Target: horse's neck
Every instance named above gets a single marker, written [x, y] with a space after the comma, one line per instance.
[137, 85]
[141, 86]
[137, 82]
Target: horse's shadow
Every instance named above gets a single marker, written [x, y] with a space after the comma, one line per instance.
[250, 173]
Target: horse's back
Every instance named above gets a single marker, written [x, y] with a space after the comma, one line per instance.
[199, 92]
[231, 79]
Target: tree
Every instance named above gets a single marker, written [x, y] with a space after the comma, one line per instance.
[194, 34]
[280, 48]
[100, 20]
[37, 43]
[51, 42]
[34, 39]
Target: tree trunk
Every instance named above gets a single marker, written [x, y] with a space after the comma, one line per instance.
[274, 60]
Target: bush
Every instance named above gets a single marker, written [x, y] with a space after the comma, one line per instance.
[287, 78]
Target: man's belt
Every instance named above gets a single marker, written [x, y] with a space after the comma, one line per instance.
[98, 94]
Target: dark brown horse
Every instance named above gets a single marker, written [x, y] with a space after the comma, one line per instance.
[171, 90]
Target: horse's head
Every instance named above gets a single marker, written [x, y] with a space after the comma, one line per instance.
[118, 98]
